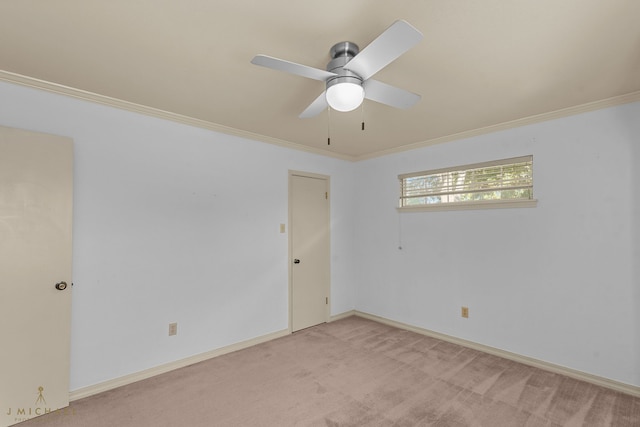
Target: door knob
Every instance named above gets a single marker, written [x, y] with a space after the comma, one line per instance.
[61, 286]
[296, 261]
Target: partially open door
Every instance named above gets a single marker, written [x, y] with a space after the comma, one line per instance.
[36, 190]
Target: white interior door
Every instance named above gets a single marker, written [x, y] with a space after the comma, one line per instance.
[35, 256]
[310, 250]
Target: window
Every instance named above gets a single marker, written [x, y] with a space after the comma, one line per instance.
[497, 184]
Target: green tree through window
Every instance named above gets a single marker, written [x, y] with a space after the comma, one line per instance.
[509, 179]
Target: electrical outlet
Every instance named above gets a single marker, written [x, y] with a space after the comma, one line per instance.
[173, 329]
[465, 312]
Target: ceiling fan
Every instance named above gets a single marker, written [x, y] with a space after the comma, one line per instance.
[348, 75]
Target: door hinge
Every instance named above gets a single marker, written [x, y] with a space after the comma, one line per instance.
[326, 301]
[326, 195]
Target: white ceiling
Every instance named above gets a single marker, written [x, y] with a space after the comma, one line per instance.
[480, 64]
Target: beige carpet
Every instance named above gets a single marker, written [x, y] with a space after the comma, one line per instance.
[353, 372]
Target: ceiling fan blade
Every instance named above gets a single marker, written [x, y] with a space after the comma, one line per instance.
[389, 95]
[393, 42]
[291, 67]
[316, 107]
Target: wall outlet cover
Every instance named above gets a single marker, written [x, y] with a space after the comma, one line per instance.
[173, 329]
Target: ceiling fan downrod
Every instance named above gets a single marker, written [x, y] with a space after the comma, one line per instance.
[341, 53]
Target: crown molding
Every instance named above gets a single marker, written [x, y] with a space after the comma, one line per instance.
[22, 80]
[557, 114]
[59, 89]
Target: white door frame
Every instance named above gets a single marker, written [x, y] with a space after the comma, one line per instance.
[327, 178]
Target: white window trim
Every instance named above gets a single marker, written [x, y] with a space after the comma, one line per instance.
[471, 205]
[467, 206]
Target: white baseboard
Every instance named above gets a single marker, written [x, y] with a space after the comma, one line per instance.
[343, 315]
[148, 373]
[558, 369]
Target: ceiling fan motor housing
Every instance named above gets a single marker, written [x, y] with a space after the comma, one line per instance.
[341, 53]
[345, 88]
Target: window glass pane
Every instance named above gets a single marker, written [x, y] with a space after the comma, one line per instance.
[471, 183]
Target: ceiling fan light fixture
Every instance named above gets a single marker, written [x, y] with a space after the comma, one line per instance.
[345, 96]
[350, 70]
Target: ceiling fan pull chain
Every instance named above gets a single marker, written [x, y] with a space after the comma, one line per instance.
[362, 110]
[328, 125]
[348, 74]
